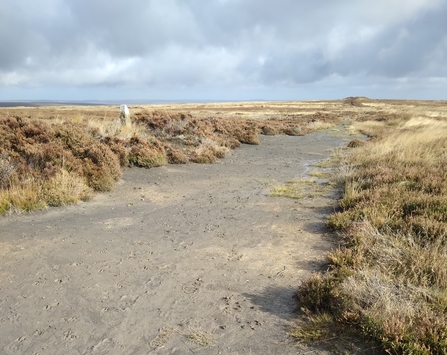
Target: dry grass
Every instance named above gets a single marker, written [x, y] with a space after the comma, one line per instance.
[64, 188]
[65, 153]
[389, 277]
[319, 174]
[21, 197]
[208, 152]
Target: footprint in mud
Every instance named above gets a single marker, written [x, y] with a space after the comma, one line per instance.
[40, 282]
[103, 346]
[189, 289]
[162, 337]
[231, 306]
[70, 319]
[50, 306]
[234, 255]
[253, 325]
[18, 344]
[166, 269]
[69, 335]
[236, 309]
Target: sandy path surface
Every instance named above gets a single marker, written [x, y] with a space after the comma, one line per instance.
[193, 259]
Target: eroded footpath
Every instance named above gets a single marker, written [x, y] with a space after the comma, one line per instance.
[175, 260]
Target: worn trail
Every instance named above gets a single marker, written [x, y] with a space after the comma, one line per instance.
[175, 260]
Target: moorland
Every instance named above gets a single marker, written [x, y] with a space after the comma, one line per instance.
[383, 272]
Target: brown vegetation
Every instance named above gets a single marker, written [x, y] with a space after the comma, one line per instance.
[389, 277]
[37, 158]
[47, 150]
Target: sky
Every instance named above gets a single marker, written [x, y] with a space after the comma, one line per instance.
[222, 50]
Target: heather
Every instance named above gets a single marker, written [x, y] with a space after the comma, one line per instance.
[388, 278]
[55, 156]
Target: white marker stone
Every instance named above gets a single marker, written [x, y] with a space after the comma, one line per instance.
[125, 116]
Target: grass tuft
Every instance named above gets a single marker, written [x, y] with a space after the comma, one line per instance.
[25, 196]
[301, 188]
[318, 327]
[65, 188]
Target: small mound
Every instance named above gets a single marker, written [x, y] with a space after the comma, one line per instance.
[355, 101]
[356, 143]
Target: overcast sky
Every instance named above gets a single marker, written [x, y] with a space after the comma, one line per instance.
[222, 49]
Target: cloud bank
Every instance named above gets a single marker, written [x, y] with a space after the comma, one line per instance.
[223, 48]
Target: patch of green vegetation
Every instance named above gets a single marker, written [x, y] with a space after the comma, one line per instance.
[301, 188]
[323, 329]
[325, 164]
[317, 327]
[294, 189]
[319, 174]
[199, 337]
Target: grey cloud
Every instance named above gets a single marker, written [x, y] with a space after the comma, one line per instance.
[218, 43]
[400, 50]
[135, 27]
[295, 68]
[396, 51]
[17, 39]
[421, 39]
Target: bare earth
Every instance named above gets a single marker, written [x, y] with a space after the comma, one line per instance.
[192, 259]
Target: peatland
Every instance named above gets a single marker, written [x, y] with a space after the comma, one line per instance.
[203, 254]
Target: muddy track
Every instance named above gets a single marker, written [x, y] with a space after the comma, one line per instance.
[175, 260]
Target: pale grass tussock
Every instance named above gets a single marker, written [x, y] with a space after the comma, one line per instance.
[389, 276]
[207, 143]
[319, 125]
[66, 187]
[21, 197]
[416, 139]
[113, 128]
[208, 151]
[7, 170]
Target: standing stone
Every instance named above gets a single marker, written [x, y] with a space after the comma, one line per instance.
[125, 116]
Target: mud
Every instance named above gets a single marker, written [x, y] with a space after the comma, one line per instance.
[192, 259]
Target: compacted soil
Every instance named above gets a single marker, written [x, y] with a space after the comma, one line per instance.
[182, 259]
